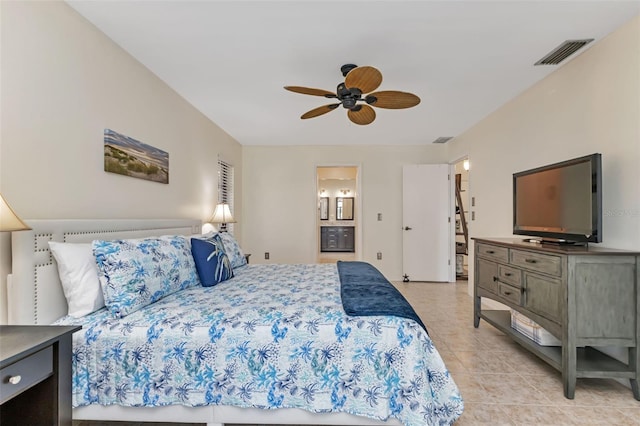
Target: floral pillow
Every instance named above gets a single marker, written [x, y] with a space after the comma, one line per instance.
[139, 272]
[211, 261]
[233, 250]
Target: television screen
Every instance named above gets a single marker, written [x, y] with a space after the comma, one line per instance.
[560, 201]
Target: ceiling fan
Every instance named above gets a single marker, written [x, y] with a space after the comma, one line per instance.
[352, 95]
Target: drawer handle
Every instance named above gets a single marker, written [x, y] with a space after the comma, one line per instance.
[531, 261]
[490, 252]
[495, 278]
[507, 274]
[507, 293]
[14, 380]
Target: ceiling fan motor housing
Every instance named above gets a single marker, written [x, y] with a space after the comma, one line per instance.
[348, 96]
[349, 103]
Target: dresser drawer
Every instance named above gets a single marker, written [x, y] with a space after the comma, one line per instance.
[545, 263]
[500, 254]
[512, 294]
[510, 275]
[26, 372]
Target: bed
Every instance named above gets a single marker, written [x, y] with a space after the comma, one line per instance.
[270, 345]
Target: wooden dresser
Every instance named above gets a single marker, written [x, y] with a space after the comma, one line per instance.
[584, 296]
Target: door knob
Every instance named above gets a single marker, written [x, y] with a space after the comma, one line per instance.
[407, 228]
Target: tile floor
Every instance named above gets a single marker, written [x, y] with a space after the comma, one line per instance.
[501, 383]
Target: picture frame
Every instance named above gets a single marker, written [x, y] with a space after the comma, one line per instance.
[126, 156]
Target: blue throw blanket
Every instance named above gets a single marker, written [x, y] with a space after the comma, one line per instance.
[366, 292]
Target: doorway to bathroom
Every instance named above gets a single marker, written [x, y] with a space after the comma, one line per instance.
[338, 235]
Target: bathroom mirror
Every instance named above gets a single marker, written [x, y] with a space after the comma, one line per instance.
[324, 208]
[344, 208]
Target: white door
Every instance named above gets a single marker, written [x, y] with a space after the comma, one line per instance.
[426, 242]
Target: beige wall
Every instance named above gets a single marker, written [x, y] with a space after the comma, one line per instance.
[591, 104]
[277, 176]
[63, 82]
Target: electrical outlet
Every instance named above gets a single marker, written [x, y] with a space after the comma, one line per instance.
[379, 255]
[473, 215]
[266, 255]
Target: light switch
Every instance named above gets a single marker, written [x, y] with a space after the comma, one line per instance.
[379, 217]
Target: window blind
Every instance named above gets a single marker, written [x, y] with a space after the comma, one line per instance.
[225, 187]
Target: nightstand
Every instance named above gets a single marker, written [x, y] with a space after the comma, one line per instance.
[35, 374]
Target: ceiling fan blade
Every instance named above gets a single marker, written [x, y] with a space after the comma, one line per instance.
[319, 111]
[362, 116]
[392, 99]
[311, 91]
[366, 79]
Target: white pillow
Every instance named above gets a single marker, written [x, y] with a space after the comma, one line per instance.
[79, 276]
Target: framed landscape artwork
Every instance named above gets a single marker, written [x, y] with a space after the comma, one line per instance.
[126, 156]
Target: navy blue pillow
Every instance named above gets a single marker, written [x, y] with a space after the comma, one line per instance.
[211, 261]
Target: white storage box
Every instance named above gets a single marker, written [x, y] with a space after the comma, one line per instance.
[532, 330]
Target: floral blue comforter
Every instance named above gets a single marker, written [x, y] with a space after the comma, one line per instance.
[273, 336]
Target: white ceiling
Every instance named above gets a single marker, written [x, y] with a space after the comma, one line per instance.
[464, 59]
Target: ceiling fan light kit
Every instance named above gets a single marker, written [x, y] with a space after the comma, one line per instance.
[357, 82]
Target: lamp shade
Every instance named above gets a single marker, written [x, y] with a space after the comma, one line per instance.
[9, 221]
[222, 214]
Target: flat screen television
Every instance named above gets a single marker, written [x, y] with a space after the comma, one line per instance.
[561, 202]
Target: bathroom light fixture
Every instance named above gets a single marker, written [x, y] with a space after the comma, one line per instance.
[345, 191]
[465, 164]
[222, 215]
[9, 221]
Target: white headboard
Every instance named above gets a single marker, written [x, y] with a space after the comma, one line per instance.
[34, 292]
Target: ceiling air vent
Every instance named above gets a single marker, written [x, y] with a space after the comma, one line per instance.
[563, 51]
[443, 139]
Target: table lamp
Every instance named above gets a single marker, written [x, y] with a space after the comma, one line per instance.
[9, 221]
[222, 215]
